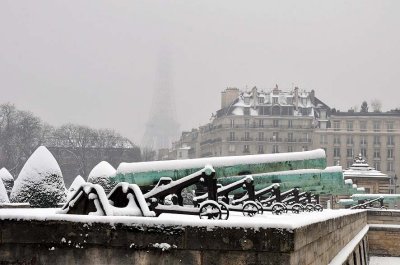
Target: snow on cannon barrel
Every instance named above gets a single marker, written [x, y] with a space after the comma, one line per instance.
[147, 174]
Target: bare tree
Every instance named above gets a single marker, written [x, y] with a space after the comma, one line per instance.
[376, 105]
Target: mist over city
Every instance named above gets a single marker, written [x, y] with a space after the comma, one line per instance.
[199, 132]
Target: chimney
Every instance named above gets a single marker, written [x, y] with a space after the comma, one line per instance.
[296, 98]
[229, 96]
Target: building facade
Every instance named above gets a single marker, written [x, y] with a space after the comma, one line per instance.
[275, 121]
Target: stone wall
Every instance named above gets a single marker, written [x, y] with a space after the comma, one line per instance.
[63, 242]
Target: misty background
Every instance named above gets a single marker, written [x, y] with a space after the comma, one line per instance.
[95, 62]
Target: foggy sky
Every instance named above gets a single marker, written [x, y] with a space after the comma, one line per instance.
[95, 62]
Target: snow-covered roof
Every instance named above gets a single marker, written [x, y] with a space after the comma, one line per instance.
[361, 169]
[3, 193]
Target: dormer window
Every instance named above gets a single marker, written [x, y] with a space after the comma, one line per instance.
[246, 100]
[275, 100]
[260, 100]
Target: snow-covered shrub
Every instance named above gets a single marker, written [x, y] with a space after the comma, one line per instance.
[40, 181]
[103, 174]
[8, 180]
[3, 193]
[78, 181]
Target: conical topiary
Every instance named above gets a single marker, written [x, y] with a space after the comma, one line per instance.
[3, 193]
[78, 181]
[40, 181]
[8, 180]
[103, 174]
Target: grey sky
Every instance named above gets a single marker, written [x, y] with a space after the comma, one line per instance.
[95, 62]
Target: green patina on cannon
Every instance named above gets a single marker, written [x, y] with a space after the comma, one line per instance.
[147, 174]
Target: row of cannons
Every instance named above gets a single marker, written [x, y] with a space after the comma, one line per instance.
[211, 200]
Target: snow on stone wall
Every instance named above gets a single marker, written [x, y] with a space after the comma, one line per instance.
[40, 181]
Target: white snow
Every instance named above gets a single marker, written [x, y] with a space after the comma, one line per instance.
[78, 181]
[6, 175]
[40, 180]
[348, 181]
[3, 193]
[125, 168]
[236, 219]
[341, 257]
[238, 111]
[384, 260]
[102, 174]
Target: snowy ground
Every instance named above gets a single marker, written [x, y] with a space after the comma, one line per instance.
[236, 219]
[384, 260]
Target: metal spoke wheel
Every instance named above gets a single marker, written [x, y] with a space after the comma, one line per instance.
[210, 210]
[224, 210]
[318, 208]
[260, 208]
[250, 209]
[309, 208]
[296, 208]
[278, 208]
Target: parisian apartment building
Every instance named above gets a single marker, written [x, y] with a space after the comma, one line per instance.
[261, 121]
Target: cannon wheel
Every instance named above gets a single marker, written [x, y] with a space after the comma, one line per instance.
[250, 208]
[309, 208]
[318, 208]
[260, 208]
[296, 208]
[210, 210]
[224, 210]
[278, 208]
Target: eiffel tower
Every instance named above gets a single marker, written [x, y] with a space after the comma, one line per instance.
[162, 128]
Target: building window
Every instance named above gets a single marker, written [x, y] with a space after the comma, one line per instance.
[290, 137]
[390, 126]
[290, 148]
[349, 163]
[247, 123]
[349, 139]
[336, 125]
[290, 123]
[350, 125]
[363, 140]
[305, 148]
[363, 152]
[275, 136]
[336, 152]
[231, 136]
[377, 126]
[260, 100]
[275, 148]
[247, 136]
[180, 154]
[232, 123]
[246, 111]
[390, 167]
[377, 153]
[275, 100]
[261, 136]
[377, 165]
[232, 148]
[390, 140]
[246, 100]
[377, 140]
[246, 148]
[276, 123]
[363, 126]
[336, 139]
[323, 139]
[350, 152]
[261, 149]
[390, 153]
[261, 123]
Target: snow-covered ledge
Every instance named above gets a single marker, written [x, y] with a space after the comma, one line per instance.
[307, 238]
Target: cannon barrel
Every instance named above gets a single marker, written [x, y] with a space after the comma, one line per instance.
[148, 173]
